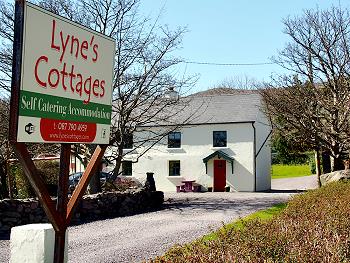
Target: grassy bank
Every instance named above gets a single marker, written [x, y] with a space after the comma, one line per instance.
[280, 171]
[314, 227]
[262, 215]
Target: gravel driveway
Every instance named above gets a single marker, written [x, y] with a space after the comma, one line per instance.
[185, 217]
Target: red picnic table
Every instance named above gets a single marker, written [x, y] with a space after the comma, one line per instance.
[188, 186]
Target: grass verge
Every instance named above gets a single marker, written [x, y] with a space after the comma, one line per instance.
[262, 215]
[280, 171]
[314, 227]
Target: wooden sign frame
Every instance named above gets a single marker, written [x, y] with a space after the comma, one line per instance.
[59, 214]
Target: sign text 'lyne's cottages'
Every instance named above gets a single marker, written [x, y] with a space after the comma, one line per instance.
[66, 84]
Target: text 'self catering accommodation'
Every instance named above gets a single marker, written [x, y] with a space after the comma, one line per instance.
[226, 143]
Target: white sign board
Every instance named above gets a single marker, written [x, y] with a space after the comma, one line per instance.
[66, 81]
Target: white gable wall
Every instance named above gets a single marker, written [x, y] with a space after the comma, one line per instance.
[263, 159]
[197, 143]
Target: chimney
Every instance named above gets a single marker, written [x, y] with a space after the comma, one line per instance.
[171, 94]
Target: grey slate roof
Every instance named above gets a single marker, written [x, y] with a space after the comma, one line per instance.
[222, 108]
[213, 106]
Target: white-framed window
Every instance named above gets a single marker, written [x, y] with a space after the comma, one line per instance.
[174, 140]
[219, 139]
[127, 168]
[174, 168]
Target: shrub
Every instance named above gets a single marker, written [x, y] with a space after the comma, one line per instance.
[21, 186]
[48, 170]
[284, 152]
[315, 227]
[312, 164]
[121, 184]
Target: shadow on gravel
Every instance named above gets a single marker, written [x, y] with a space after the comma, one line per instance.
[296, 191]
[238, 206]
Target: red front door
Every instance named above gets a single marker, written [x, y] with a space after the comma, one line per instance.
[219, 175]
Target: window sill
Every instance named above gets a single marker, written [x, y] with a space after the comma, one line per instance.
[175, 176]
[174, 150]
[128, 149]
[219, 148]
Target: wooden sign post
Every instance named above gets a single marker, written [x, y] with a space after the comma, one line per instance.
[61, 92]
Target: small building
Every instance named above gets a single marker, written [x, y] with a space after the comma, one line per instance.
[225, 146]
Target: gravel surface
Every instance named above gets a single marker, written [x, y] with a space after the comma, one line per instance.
[296, 183]
[4, 250]
[185, 217]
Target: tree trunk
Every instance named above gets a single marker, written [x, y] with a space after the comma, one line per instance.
[3, 184]
[336, 164]
[326, 163]
[95, 184]
[118, 162]
[318, 167]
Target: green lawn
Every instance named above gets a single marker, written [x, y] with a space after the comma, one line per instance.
[285, 171]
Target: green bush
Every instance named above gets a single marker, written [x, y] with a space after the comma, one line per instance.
[314, 227]
[283, 152]
[48, 170]
[21, 186]
[312, 165]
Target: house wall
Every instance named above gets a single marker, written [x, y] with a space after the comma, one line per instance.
[263, 159]
[197, 143]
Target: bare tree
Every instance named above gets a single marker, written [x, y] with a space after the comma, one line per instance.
[144, 73]
[63, 7]
[4, 148]
[6, 40]
[242, 82]
[312, 106]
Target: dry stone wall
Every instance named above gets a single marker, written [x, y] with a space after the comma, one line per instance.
[92, 207]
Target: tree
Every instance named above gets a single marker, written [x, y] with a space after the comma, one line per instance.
[6, 42]
[242, 82]
[284, 151]
[144, 72]
[312, 106]
[144, 75]
[4, 148]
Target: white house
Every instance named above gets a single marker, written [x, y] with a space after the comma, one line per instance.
[227, 144]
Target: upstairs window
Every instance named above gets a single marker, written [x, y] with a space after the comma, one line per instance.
[127, 168]
[128, 141]
[219, 138]
[174, 140]
[174, 168]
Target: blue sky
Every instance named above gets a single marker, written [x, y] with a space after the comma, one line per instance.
[230, 31]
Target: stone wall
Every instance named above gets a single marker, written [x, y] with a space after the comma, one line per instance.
[92, 207]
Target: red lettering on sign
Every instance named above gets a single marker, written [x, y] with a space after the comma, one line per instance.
[42, 83]
[95, 47]
[103, 88]
[63, 75]
[64, 45]
[53, 36]
[84, 46]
